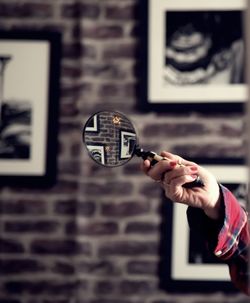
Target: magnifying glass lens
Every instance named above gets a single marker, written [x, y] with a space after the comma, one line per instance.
[110, 138]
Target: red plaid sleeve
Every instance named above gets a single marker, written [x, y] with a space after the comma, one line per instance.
[234, 241]
[228, 239]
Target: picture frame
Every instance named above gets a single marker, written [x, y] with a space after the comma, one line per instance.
[93, 125]
[29, 80]
[127, 144]
[97, 152]
[186, 265]
[183, 66]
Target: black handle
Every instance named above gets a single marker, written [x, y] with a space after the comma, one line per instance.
[154, 158]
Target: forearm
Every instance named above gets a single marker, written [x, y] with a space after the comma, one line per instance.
[227, 238]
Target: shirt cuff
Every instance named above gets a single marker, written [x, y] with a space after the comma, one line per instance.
[234, 220]
[221, 235]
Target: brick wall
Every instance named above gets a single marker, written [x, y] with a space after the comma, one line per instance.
[93, 237]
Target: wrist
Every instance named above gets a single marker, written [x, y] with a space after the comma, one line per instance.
[215, 212]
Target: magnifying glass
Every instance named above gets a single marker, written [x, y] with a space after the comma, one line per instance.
[111, 141]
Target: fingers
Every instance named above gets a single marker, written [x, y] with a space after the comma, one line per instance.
[169, 156]
[176, 158]
[180, 175]
[174, 172]
[157, 171]
[179, 181]
[145, 166]
[165, 169]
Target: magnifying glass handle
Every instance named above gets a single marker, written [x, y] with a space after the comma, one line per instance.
[154, 158]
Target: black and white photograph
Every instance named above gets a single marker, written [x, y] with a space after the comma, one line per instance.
[188, 260]
[127, 144]
[195, 52]
[97, 152]
[204, 47]
[27, 85]
[16, 115]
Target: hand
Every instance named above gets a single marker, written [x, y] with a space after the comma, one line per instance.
[172, 176]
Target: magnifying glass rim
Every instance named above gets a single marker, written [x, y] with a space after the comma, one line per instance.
[84, 142]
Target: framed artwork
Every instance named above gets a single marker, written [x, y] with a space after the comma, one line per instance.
[194, 55]
[127, 144]
[29, 86]
[186, 265]
[93, 124]
[97, 152]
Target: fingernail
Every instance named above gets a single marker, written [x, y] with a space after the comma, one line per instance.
[194, 168]
[172, 163]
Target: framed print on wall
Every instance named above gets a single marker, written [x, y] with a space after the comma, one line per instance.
[194, 55]
[93, 125]
[127, 144]
[186, 265]
[29, 85]
[97, 151]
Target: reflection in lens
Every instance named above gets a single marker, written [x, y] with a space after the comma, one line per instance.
[110, 138]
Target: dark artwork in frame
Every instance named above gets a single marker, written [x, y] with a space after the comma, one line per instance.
[193, 56]
[29, 99]
[185, 264]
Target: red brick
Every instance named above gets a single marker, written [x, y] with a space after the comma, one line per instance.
[121, 51]
[11, 246]
[104, 287]
[92, 228]
[102, 31]
[142, 228]
[128, 248]
[173, 130]
[20, 266]
[108, 188]
[99, 267]
[132, 287]
[48, 286]
[23, 206]
[105, 71]
[63, 268]
[124, 209]
[45, 226]
[80, 10]
[78, 50]
[60, 247]
[24, 10]
[122, 12]
[142, 267]
[68, 109]
[73, 207]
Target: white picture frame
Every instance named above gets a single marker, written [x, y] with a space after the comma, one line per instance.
[127, 144]
[30, 69]
[218, 90]
[97, 152]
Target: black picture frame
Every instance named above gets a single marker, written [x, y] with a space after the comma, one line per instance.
[155, 94]
[178, 271]
[29, 107]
